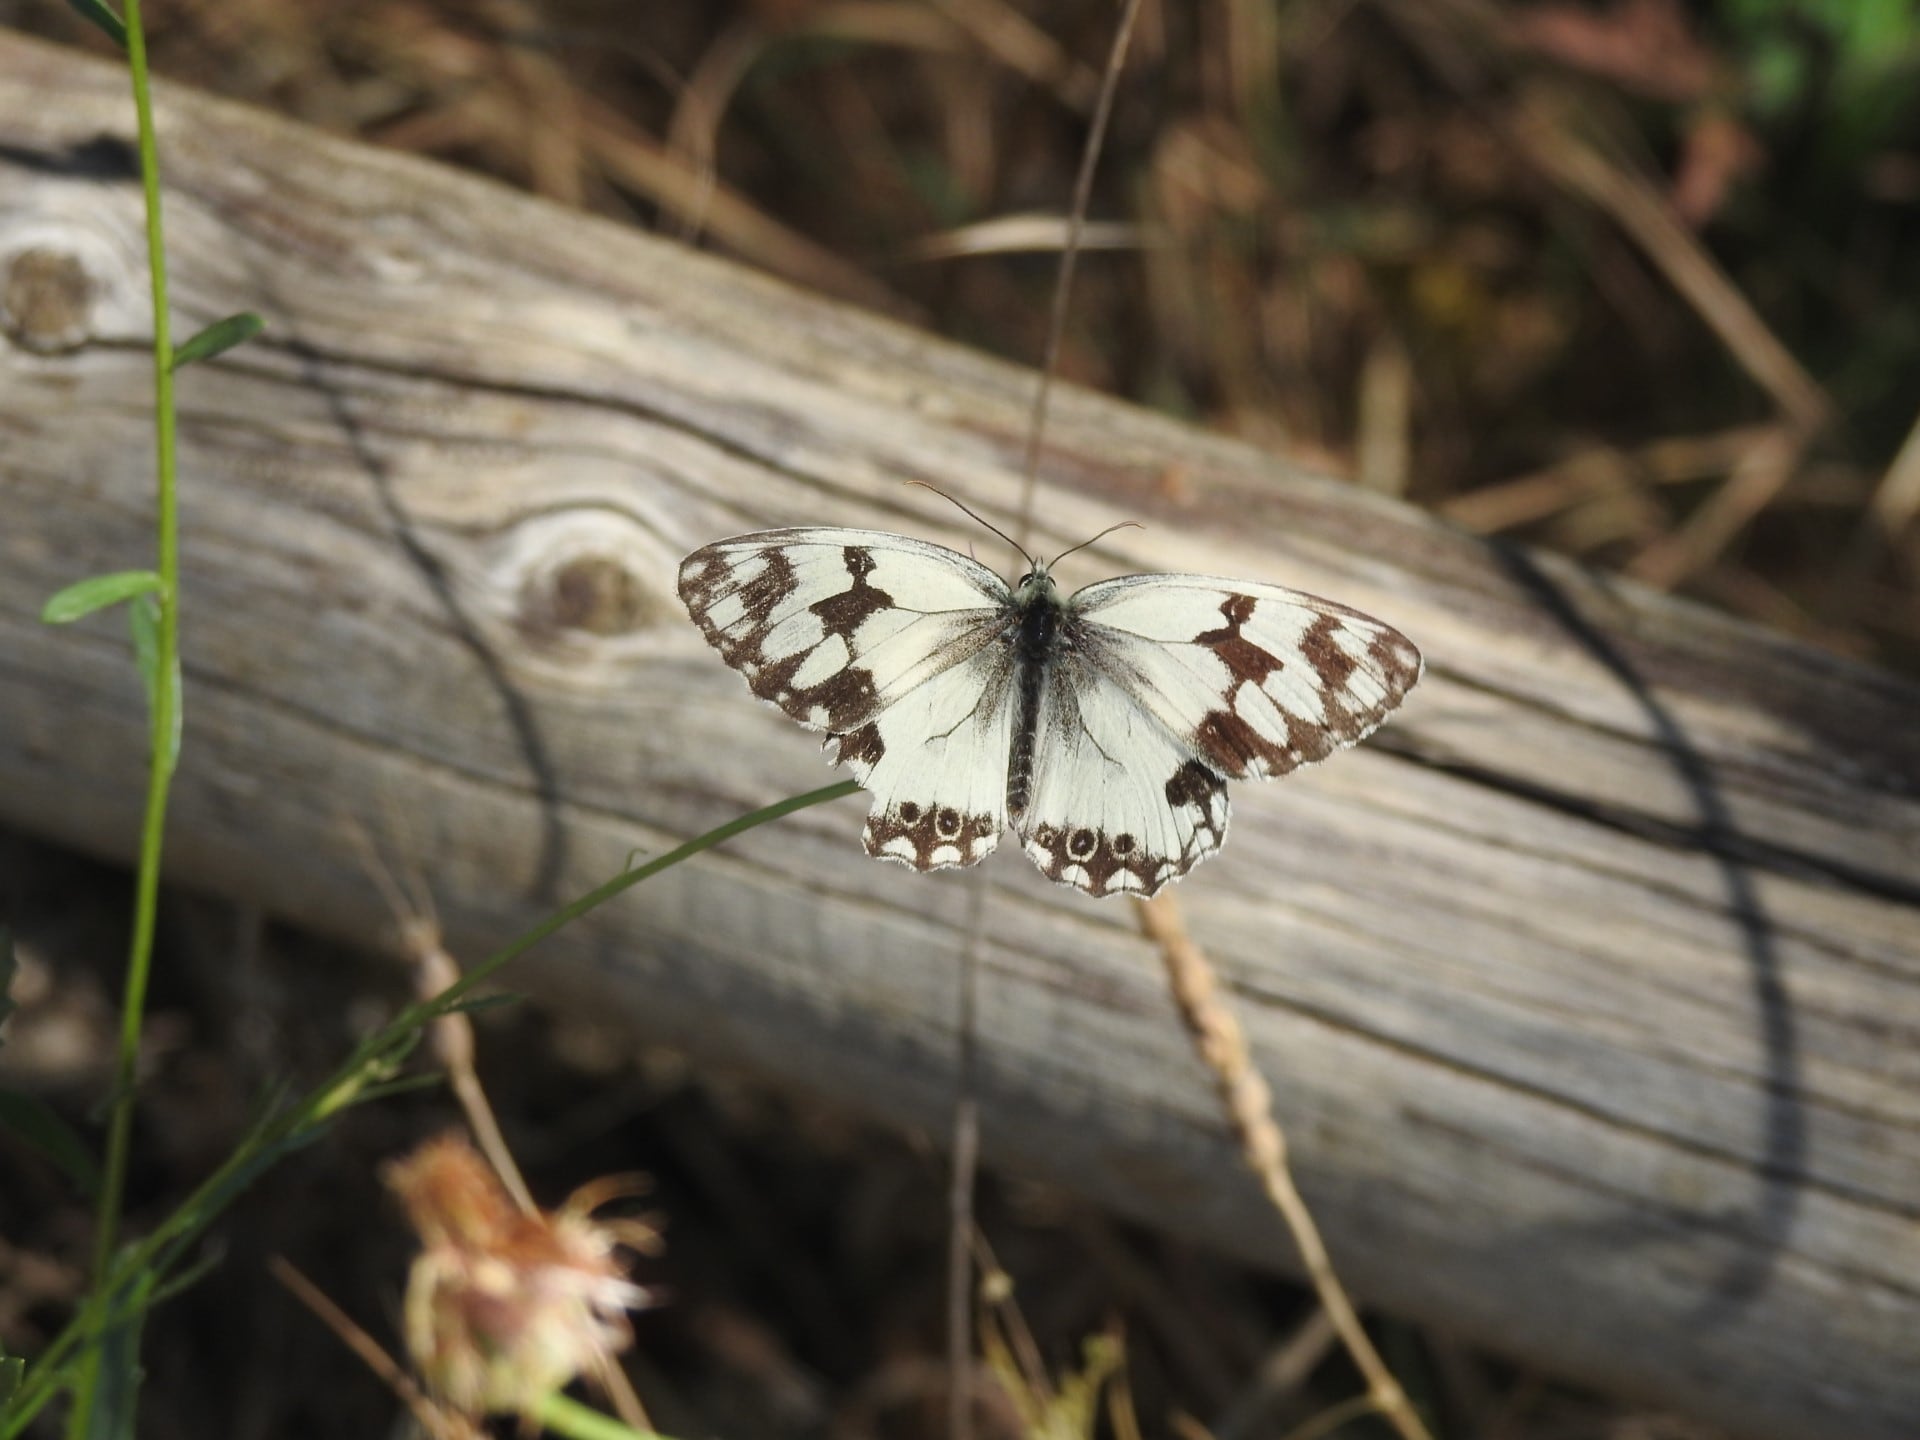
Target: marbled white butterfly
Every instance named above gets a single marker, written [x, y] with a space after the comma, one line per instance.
[1103, 725]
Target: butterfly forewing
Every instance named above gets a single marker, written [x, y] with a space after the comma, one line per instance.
[1257, 680]
[887, 643]
[834, 625]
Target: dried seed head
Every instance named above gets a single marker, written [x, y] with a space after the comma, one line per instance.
[505, 1306]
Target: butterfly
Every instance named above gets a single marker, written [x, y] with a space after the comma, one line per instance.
[1103, 725]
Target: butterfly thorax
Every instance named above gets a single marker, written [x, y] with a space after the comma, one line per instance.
[1037, 634]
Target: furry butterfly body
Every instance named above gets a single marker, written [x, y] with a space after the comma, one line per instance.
[1103, 726]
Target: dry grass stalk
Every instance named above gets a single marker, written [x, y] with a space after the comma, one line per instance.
[1063, 285]
[1759, 477]
[1384, 461]
[1282, 1374]
[1595, 469]
[684, 189]
[1897, 499]
[434, 1421]
[1649, 220]
[1023, 47]
[702, 103]
[451, 1036]
[1249, 1104]
[1026, 234]
[961, 1230]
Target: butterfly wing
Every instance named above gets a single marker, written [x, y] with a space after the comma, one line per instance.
[1118, 803]
[1169, 686]
[888, 644]
[935, 761]
[1257, 680]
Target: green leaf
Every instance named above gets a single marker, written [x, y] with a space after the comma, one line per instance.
[99, 14]
[192, 1221]
[184, 1280]
[475, 1004]
[83, 597]
[405, 1085]
[143, 618]
[218, 338]
[119, 1375]
[12, 1369]
[33, 1121]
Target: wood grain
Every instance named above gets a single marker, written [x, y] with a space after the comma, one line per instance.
[1590, 990]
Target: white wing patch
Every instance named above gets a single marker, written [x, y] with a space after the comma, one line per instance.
[1117, 803]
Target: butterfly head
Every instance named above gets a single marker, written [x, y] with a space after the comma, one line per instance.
[1036, 586]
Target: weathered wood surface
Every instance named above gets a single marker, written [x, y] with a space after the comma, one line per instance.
[1590, 991]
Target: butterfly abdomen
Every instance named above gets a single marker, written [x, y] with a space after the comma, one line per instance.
[1036, 641]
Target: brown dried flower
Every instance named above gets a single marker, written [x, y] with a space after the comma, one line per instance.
[504, 1305]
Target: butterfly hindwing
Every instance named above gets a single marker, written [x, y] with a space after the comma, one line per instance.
[935, 761]
[835, 625]
[1117, 803]
[1256, 679]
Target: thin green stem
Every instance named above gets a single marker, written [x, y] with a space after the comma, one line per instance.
[565, 1416]
[162, 721]
[45, 1375]
[425, 1011]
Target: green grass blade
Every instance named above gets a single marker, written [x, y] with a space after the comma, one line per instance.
[560, 1415]
[83, 597]
[117, 1373]
[143, 619]
[97, 12]
[218, 338]
[30, 1118]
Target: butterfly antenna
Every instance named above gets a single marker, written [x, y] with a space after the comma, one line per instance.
[1069, 256]
[981, 518]
[1123, 525]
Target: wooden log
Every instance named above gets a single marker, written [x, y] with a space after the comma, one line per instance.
[1590, 990]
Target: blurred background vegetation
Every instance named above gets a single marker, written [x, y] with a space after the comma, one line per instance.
[1636, 280]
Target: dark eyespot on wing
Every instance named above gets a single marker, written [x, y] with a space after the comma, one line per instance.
[930, 836]
[1102, 863]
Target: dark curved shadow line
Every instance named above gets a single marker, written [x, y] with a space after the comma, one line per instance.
[104, 157]
[1780, 1168]
[108, 157]
[519, 712]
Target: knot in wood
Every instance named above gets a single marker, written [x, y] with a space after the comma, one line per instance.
[46, 301]
[583, 576]
[595, 593]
